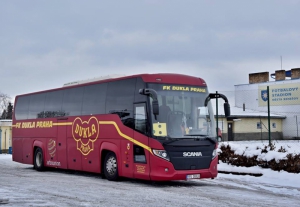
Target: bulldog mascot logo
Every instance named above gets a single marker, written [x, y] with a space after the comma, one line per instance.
[85, 133]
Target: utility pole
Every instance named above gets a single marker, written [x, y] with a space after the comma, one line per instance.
[269, 122]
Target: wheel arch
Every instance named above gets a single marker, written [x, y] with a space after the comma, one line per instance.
[38, 144]
[107, 147]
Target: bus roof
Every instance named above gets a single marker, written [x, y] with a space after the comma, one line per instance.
[93, 79]
[168, 78]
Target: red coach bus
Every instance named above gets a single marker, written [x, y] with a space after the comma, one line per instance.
[148, 126]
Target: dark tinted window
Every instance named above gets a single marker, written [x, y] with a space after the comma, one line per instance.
[21, 110]
[140, 84]
[53, 104]
[94, 99]
[72, 101]
[119, 100]
[140, 118]
[139, 154]
[36, 105]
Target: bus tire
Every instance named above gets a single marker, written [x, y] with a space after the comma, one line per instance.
[38, 159]
[111, 167]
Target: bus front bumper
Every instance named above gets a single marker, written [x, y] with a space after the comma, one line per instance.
[166, 171]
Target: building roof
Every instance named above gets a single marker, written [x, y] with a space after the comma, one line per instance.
[238, 112]
[5, 122]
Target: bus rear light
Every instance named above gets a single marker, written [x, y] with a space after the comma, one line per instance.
[162, 154]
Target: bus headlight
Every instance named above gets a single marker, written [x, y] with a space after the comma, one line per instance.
[161, 153]
[214, 154]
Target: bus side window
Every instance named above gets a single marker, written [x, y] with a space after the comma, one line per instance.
[140, 118]
[72, 101]
[36, 106]
[120, 98]
[139, 154]
[21, 110]
[53, 104]
[94, 99]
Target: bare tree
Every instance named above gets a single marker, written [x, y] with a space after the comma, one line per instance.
[4, 101]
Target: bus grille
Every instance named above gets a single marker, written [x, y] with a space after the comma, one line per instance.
[193, 159]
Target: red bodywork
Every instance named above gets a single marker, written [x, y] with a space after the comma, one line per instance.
[79, 143]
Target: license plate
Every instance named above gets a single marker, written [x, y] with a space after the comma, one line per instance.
[194, 176]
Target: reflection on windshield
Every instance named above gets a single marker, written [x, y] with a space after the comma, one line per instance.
[182, 115]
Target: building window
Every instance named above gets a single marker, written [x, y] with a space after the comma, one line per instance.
[258, 125]
[274, 125]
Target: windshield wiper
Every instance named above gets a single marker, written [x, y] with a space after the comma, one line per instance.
[171, 141]
[202, 135]
[164, 137]
[214, 140]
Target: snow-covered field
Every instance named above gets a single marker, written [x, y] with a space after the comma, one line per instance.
[24, 186]
[289, 182]
[251, 148]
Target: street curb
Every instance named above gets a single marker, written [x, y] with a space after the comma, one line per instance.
[241, 173]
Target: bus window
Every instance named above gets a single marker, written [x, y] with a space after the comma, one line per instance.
[21, 111]
[140, 118]
[53, 104]
[72, 101]
[139, 154]
[36, 107]
[139, 97]
[119, 100]
[94, 99]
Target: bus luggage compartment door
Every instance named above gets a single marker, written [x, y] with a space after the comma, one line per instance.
[62, 143]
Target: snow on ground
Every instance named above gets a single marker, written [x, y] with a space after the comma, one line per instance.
[286, 183]
[251, 148]
[24, 186]
[276, 182]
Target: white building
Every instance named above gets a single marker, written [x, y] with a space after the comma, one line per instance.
[5, 135]
[284, 93]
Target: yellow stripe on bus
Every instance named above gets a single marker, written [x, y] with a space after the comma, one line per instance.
[117, 128]
[63, 124]
[125, 136]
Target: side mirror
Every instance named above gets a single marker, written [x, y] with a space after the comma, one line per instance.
[227, 109]
[155, 107]
[153, 94]
[219, 95]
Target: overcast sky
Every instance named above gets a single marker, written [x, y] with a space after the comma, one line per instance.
[44, 44]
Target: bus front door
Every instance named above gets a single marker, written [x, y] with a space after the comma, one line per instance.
[140, 151]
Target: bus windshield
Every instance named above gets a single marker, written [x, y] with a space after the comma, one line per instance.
[182, 113]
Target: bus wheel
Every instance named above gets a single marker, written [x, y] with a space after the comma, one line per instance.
[111, 167]
[38, 159]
